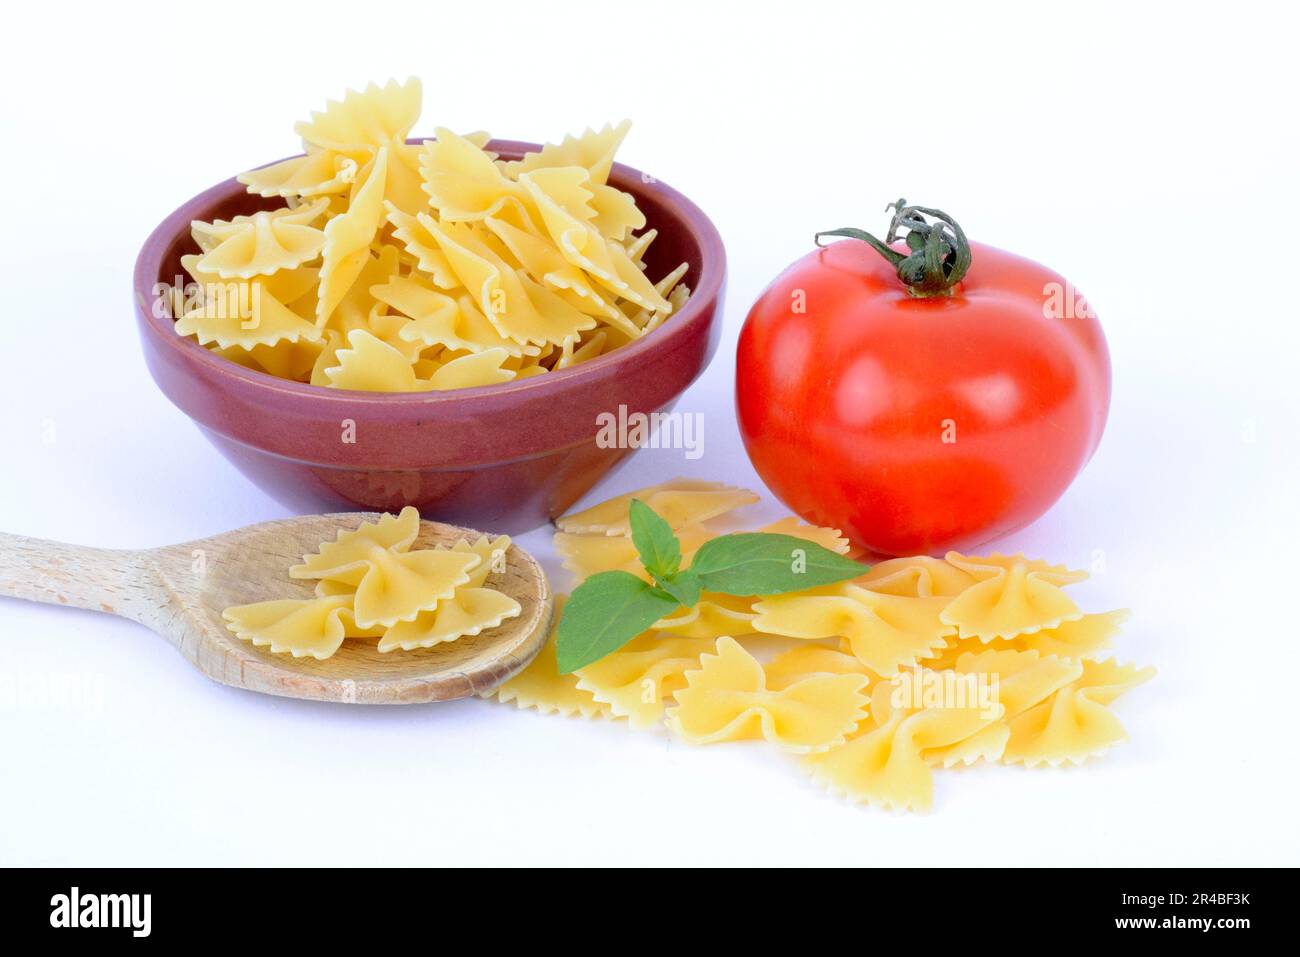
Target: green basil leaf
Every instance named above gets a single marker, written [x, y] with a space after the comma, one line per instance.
[603, 614]
[684, 586]
[761, 563]
[660, 552]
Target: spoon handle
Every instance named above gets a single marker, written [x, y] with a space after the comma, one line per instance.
[101, 579]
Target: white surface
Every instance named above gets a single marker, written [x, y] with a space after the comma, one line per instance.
[1148, 154]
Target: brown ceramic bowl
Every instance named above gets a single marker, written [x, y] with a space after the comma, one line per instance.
[503, 457]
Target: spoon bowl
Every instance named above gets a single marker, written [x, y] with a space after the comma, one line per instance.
[180, 591]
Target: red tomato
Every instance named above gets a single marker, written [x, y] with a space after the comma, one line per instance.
[913, 424]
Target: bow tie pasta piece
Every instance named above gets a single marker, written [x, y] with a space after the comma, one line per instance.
[289, 286]
[1013, 596]
[518, 307]
[712, 617]
[421, 246]
[302, 627]
[437, 319]
[284, 360]
[472, 369]
[637, 680]
[803, 662]
[1020, 680]
[346, 250]
[920, 577]
[542, 261]
[538, 255]
[828, 538]
[352, 630]
[470, 611]
[358, 308]
[397, 586]
[593, 150]
[727, 699]
[886, 763]
[599, 306]
[391, 583]
[636, 246]
[1024, 678]
[375, 117]
[608, 264]
[562, 189]
[541, 687]
[318, 173]
[402, 186]
[616, 214]
[330, 588]
[987, 744]
[243, 314]
[367, 125]
[885, 632]
[260, 244]
[492, 557]
[372, 365]
[480, 334]
[674, 294]
[461, 180]
[388, 330]
[344, 559]
[1074, 724]
[1082, 638]
[679, 502]
[676, 299]
[328, 359]
[562, 202]
[575, 353]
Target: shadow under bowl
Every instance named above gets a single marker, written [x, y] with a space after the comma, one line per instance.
[504, 457]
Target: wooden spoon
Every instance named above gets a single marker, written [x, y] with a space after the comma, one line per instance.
[180, 591]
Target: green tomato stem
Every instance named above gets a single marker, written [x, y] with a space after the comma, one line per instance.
[939, 252]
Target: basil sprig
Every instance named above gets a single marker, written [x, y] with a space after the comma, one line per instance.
[609, 609]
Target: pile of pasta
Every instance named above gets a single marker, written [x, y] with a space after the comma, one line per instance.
[394, 267]
[370, 583]
[828, 691]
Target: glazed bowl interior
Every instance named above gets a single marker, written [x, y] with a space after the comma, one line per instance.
[457, 455]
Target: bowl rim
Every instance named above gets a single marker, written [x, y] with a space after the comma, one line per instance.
[704, 293]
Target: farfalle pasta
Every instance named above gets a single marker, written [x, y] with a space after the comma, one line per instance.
[542, 688]
[1012, 596]
[470, 609]
[370, 583]
[302, 627]
[885, 632]
[887, 763]
[1074, 724]
[398, 267]
[637, 680]
[680, 502]
[714, 616]
[727, 699]
[878, 684]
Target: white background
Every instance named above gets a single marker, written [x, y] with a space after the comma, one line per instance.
[1145, 151]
